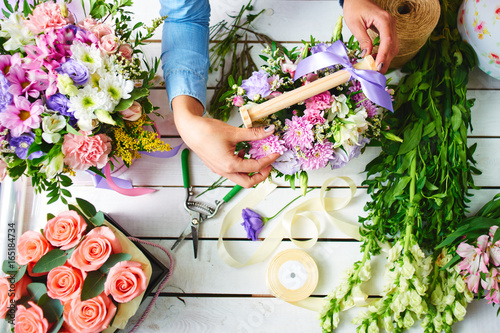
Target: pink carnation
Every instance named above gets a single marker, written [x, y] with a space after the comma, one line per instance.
[314, 116]
[83, 151]
[298, 133]
[47, 16]
[267, 146]
[318, 156]
[320, 102]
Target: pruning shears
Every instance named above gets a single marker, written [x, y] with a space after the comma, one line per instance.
[199, 212]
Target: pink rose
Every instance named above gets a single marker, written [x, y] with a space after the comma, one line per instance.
[65, 230]
[47, 16]
[238, 101]
[133, 113]
[92, 315]
[83, 151]
[126, 51]
[65, 283]
[320, 101]
[3, 170]
[108, 44]
[22, 287]
[5, 298]
[102, 29]
[125, 281]
[30, 270]
[31, 247]
[95, 249]
[88, 23]
[30, 320]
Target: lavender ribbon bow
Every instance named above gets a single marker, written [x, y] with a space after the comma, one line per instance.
[372, 82]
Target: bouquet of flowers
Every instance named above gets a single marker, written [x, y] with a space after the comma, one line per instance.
[330, 128]
[73, 95]
[80, 274]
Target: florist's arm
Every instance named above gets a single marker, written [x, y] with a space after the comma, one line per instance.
[185, 70]
[361, 15]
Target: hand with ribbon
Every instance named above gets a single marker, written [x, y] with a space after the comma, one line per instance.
[361, 15]
[372, 82]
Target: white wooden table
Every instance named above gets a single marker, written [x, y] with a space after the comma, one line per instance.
[206, 295]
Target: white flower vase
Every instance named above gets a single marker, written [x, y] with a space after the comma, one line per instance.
[479, 25]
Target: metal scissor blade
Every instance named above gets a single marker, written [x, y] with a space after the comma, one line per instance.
[194, 231]
[184, 234]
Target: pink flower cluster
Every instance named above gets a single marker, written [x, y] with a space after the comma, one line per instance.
[480, 265]
[124, 282]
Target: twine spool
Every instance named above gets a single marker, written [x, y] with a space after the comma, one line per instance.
[415, 21]
[292, 275]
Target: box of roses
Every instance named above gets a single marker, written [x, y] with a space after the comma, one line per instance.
[80, 273]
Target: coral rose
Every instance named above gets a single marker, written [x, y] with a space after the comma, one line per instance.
[31, 247]
[10, 293]
[92, 315]
[30, 320]
[47, 16]
[4, 296]
[64, 283]
[83, 151]
[109, 44]
[65, 230]
[22, 287]
[125, 281]
[95, 249]
[133, 113]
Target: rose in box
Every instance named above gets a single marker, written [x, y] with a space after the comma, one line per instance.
[80, 273]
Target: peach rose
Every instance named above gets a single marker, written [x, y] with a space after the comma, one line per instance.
[3, 170]
[30, 270]
[92, 315]
[95, 249]
[133, 113]
[108, 44]
[22, 287]
[102, 29]
[126, 51]
[88, 23]
[65, 230]
[65, 283]
[4, 296]
[31, 247]
[47, 16]
[30, 320]
[83, 151]
[125, 281]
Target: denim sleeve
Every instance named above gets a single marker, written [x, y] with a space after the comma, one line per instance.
[341, 2]
[184, 51]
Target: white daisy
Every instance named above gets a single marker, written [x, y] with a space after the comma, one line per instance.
[116, 87]
[86, 102]
[89, 55]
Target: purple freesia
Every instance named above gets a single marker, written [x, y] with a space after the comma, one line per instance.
[252, 222]
[21, 145]
[287, 163]
[5, 96]
[257, 84]
[76, 71]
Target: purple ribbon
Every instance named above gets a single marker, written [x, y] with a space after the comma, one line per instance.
[372, 82]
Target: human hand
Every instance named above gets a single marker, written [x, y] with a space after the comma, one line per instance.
[215, 141]
[361, 15]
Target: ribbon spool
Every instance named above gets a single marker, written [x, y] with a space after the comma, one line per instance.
[292, 275]
[415, 21]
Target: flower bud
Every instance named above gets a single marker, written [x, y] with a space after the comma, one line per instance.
[408, 320]
[459, 311]
[408, 269]
[104, 117]
[373, 328]
[126, 51]
[388, 323]
[133, 113]
[238, 101]
[303, 182]
[365, 272]
[448, 317]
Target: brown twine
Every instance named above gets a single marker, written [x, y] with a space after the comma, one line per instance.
[415, 20]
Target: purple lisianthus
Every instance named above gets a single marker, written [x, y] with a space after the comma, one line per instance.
[371, 108]
[355, 151]
[318, 156]
[262, 148]
[298, 133]
[5, 96]
[257, 84]
[76, 71]
[339, 159]
[22, 143]
[252, 222]
[321, 47]
[59, 103]
[288, 163]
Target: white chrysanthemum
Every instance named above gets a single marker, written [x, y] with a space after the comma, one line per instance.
[89, 55]
[86, 102]
[116, 87]
[16, 32]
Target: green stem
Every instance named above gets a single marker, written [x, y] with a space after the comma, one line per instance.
[411, 211]
[267, 219]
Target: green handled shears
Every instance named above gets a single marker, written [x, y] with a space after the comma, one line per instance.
[198, 211]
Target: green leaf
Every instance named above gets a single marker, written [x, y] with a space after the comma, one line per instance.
[124, 104]
[456, 118]
[12, 268]
[496, 237]
[86, 207]
[57, 326]
[52, 308]
[8, 6]
[411, 138]
[391, 136]
[98, 219]
[50, 216]
[113, 260]
[50, 260]
[452, 262]
[71, 130]
[36, 290]
[93, 285]
[138, 93]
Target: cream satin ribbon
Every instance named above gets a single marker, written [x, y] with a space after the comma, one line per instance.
[284, 228]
